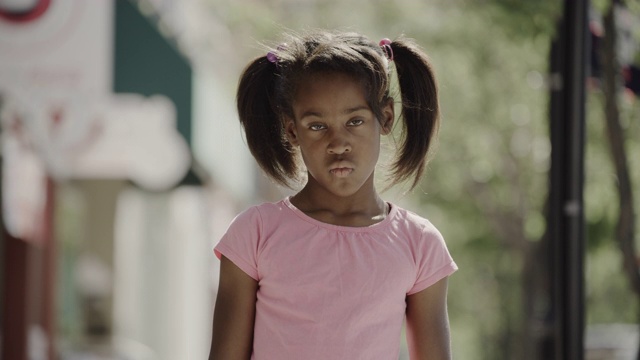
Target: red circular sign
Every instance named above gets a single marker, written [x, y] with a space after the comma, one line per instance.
[23, 16]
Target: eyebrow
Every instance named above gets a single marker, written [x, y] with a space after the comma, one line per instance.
[357, 108]
[312, 113]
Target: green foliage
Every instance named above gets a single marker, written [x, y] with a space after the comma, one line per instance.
[490, 173]
[600, 192]
[522, 19]
[601, 5]
[608, 296]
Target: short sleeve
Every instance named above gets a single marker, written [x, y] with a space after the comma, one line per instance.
[241, 240]
[433, 261]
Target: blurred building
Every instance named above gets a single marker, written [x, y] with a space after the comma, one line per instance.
[121, 167]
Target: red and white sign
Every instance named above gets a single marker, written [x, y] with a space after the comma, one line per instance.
[59, 116]
[23, 11]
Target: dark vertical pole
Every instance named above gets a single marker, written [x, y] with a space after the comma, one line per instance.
[14, 309]
[566, 215]
[13, 329]
[49, 270]
[28, 288]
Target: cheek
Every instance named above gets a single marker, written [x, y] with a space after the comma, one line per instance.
[310, 151]
[311, 141]
[374, 150]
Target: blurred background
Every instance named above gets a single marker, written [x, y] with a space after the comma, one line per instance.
[123, 163]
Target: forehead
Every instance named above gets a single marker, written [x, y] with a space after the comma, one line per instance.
[329, 91]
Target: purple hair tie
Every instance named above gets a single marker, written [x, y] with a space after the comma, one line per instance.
[273, 57]
[385, 44]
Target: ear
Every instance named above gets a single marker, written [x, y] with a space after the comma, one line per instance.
[388, 117]
[290, 131]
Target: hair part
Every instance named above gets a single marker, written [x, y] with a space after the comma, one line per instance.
[267, 90]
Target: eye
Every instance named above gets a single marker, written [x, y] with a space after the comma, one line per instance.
[355, 122]
[316, 127]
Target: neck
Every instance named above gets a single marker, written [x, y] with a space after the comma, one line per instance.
[363, 208]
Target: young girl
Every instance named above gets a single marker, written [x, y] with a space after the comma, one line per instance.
[332, 272]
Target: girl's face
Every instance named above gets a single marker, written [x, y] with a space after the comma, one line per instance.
[337, 133]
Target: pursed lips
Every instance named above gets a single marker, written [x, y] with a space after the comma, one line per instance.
[341, 169]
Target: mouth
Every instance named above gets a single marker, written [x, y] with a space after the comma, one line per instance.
[341, 171]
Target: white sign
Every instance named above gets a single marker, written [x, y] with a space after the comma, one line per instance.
[59, 116]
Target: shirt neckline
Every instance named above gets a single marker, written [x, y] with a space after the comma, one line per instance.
[392, 213]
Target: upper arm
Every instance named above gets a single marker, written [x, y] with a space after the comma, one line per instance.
[428, 323]
[234, 314]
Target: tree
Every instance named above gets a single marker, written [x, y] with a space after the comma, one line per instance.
[625, 227]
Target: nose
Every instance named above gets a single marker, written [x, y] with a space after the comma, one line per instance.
[339, 143]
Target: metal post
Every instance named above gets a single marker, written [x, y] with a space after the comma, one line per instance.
[566, 215]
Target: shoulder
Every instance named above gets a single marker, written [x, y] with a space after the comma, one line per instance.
[427, 247]
[413, 223]
[265, 213]
[250, 227]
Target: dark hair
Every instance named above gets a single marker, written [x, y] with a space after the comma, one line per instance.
[267, 89]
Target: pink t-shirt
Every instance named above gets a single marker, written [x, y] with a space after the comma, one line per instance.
[332, 292]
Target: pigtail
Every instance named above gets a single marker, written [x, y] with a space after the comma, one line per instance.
[261, 122]
[420, 110]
